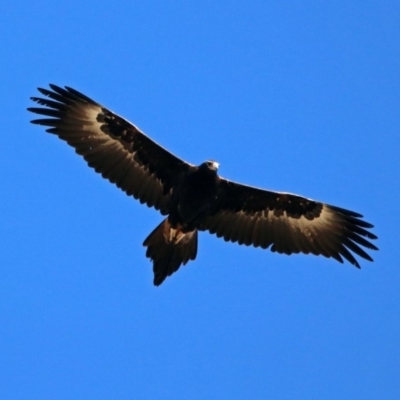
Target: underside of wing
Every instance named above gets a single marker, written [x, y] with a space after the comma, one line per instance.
[114, 147]
[288, 224]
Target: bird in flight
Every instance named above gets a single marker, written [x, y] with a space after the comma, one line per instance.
[195, 198]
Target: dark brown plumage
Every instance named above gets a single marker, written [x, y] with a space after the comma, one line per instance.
[196, 198]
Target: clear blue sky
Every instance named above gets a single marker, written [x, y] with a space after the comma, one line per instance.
[295, 97]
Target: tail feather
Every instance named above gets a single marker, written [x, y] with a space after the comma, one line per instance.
[169, 248]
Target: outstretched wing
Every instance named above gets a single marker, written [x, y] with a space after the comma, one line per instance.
[111, 145]
[288, 223]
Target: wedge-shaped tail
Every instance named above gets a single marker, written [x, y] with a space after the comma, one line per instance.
[169, 248]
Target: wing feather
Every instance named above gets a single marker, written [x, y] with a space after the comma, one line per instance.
[111, 145]
[265, 233]
[288, 223]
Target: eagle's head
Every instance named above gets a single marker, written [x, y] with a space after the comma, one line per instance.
[210, 165]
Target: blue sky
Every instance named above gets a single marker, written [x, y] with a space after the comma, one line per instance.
[295, 97]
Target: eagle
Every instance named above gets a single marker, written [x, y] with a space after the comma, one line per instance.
[195, 198]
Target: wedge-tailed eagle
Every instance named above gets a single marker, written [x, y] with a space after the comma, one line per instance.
[196, 198]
